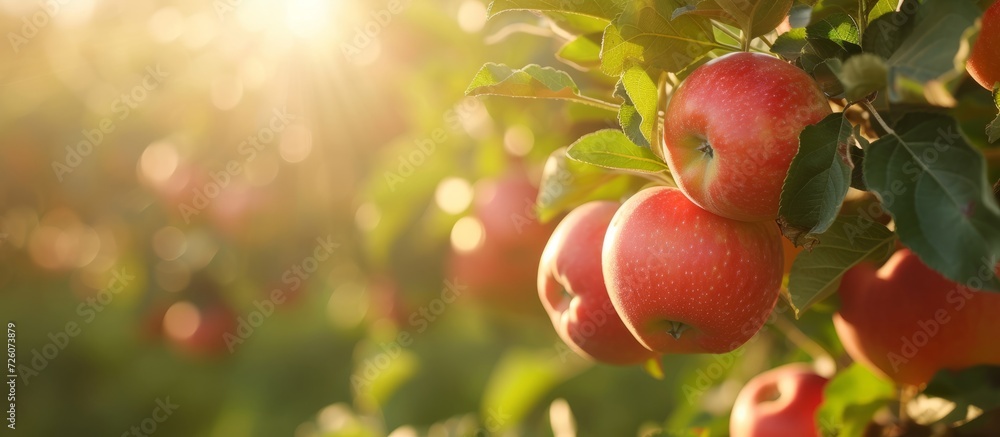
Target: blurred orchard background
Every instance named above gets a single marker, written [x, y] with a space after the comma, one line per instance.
[285, 218]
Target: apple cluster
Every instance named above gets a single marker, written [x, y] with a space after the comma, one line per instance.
[697, 268]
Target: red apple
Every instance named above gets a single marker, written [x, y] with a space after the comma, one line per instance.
[571, 287]
[685, 280]
[731, 129]
[777, 403]
[907, 322]
[984, 62]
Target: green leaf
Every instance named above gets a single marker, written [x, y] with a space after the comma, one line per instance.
[851, 399]
[518, 382]
[704, 8]
[642, 95]
[993, 128]
[862, 75]
[885, 34]
[860, 10]
[858, 158]
[610, 148]
[631, 123]
[606, 9]
[567, 184]
[878, 8]
[790, 44]
[756, 17]
[934, 186]
[584, 52]
[850, 240]
[576, 24]
[629, 118]
[531, 81]
[930, 63]
[644, 34]
[839, 29]
[817, 179]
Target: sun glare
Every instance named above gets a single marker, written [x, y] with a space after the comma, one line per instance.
[309, 18]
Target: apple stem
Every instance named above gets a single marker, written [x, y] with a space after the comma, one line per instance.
[906, 394]
[676, 329]
[824, 361]
[722, 28]
[871, 109]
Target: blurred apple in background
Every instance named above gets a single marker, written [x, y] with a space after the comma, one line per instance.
[496, 249]
[934, 324]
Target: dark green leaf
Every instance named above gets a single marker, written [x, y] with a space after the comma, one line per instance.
[934, 185]
[817, 180]
[851, 399]
[704, 8]
[860, 10]
[839, 29]
[644, 34]
[850, 240]
[930, 63]
[610, 148]
[884, 35]
[858, 158]
[790, 44]
[756, 17]
[606, 9]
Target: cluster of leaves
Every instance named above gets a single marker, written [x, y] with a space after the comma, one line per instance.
[904, 137]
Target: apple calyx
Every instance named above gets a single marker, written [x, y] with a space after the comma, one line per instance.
[706, 148]
[676, 329]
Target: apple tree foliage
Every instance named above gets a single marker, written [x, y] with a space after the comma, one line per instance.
[910, 132]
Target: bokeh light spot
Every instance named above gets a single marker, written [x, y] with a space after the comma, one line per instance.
[467, 234]
[471, 16]
[159, 162]
[453, 195]
[518, 140]
[181, 320]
